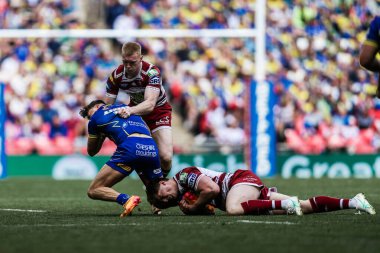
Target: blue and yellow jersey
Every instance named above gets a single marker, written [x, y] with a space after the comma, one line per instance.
[373, 35]
[106, 120]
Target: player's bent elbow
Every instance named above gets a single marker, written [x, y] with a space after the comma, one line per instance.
[91, 152]
[166, 155]
[214, 191]
[90, 194]
[149, 106]
[365, 62]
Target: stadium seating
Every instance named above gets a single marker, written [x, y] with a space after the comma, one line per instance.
[312, 60]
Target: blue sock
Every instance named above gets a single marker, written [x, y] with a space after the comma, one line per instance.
[122, 198]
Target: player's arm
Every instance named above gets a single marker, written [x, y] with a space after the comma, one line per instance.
[112, 89]
[367, 58]
[150, 99]
[94, 143]
[370, 47]
[207, 190]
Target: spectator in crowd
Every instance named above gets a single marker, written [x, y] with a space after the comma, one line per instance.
[313, 51]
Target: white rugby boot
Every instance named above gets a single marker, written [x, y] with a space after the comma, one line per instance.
[293, 206]
[362, 204]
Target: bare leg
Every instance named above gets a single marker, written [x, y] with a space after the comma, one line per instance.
[237, 195]
[164, 140]
[100, 188]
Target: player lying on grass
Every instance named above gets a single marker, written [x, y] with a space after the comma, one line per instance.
[136, 150]
[196, 190]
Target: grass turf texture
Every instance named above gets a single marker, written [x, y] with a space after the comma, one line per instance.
[74, 223]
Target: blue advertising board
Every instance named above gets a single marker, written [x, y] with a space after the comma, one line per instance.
[261, 154]
[3, 171]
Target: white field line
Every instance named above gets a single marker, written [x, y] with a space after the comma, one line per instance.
[22, 210]
[267, 222]
[147, 224]
[47, 199]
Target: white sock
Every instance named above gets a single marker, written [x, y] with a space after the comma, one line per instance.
[284, 203]
[352, 204]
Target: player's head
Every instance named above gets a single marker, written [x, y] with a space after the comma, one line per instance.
[163, 193]
[88, 110]
[131, 57]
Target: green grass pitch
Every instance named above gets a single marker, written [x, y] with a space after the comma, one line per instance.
[71, 222]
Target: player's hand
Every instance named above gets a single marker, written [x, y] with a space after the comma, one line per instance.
[124, 112]
[187, 208]
[187, 205]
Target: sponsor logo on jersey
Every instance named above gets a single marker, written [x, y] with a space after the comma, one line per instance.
[145, 147]
[146, 153]
[152, 72]
[135, 124]
[145, 150]
[182, 178]
[154, 80]
[137, 98]
[113, 110]
[157, 171]
[163, 121]
[124, 167]
[191, 179]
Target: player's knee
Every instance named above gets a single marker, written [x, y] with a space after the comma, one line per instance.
[166, 156]
[234, 210]
[166, 162]
[91, 193]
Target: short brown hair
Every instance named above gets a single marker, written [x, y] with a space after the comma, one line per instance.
[130, 48]
[151, 192]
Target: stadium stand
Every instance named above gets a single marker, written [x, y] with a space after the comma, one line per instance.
[324, 99]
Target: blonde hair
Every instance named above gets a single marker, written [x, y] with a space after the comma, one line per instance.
[129, 48]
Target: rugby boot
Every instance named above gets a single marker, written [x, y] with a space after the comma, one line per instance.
[132, 202]
[362, 204]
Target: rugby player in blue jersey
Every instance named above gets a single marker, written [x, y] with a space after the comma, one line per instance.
[136, 150]
[369, 50]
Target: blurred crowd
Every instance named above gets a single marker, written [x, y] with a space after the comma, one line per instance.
[325, 101]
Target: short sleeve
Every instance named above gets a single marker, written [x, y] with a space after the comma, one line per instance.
[154, 78]
[373, 32]
[92, 129]
[112, 88]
